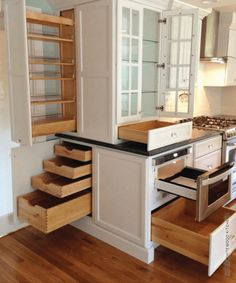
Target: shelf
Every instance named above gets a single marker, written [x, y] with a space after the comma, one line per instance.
[52, 125]
[51, 78]
[52, 101]
[45, 19]
[35, 36]
[49, 61]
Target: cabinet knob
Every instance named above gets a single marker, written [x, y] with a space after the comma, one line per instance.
[173, 135]
[210, 146]
[209, 166]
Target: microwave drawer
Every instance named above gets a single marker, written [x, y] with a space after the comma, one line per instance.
[209, 242]
[210, 189]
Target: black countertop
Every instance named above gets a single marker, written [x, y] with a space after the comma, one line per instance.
[141, 149]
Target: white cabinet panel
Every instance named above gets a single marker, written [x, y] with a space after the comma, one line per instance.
[95, 70]
[119, 194]
[14, 12]
[209, 161]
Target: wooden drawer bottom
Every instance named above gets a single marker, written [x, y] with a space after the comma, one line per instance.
[209, 242]
[47, 213]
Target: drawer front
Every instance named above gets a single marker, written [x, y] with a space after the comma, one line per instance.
[222, 243]
[207, 146]
[47, 213]
[60, 186]
[169, 135]
[74, 151]
[209, 161]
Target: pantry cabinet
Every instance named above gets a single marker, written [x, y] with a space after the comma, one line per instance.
[135, 62]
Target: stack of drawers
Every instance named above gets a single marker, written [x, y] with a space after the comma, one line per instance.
[63, 191]
[207, 153]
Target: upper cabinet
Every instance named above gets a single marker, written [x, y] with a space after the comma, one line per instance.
[156, 58]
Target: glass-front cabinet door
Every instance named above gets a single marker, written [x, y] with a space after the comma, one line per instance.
[129, 64]
[179, 48]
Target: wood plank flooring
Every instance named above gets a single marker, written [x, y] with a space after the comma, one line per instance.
[71, 256]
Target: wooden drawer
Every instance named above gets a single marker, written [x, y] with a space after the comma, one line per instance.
[174, 227]
[74, 151]
[60, 186]
[156, 134]
[47, 213]
[207, 146]
[209, 161]
[68, 168]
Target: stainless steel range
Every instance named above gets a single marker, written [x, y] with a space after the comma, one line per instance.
[227, 126]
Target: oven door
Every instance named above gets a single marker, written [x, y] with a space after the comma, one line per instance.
[210, 190]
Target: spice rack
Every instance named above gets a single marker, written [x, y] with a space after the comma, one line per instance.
[52, 111]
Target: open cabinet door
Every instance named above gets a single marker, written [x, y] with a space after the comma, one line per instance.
[18, 77]
[179, 55]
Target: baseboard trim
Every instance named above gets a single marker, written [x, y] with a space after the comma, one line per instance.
[87, 225]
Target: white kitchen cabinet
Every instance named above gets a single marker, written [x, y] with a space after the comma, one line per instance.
[119, 194]
[207, 153]
[134, 63]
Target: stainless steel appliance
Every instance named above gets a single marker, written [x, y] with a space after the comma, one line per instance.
[227, 126]
[210, 189]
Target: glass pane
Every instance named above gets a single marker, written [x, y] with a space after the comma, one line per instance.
[150, 51]
[134, 83]
[135, 50]
[125, 49]
[171, 77]
[170, 101]
[135, 22]
[173, 50]
[150, 25]
[134, 103]
[125, 77]
[185, 53]
[126, 21]
[183, 99]
[125, 105]
[149, 103]
[174, 28]
[184, 76]
[149, 81]
[186, 27]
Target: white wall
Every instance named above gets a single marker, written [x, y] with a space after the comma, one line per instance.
[229, 101]
[208, 100]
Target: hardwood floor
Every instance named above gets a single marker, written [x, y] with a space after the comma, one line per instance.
[69, 256]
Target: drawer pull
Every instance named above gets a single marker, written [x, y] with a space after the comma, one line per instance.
[210, 146]
[173, 135]
[209, 166]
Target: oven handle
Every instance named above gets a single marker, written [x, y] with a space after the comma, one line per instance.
[222, 176]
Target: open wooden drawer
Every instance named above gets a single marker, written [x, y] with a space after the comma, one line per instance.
[47, 213]
[60, 186]
[155, 133]
[74, 151]
[209, 242]
[68, 168]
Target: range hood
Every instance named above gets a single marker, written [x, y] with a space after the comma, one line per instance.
[210, 39]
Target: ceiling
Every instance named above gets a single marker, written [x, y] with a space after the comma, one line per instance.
[222, 5]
